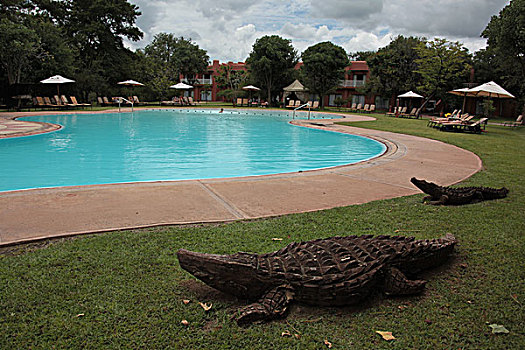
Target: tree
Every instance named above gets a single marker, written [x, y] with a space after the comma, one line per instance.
[271, 63]
[443, 66]
[393, 68]
[505, 36]
[323, 68]
[230, 80]
[362, 55]
[19, 46]
[167, 57]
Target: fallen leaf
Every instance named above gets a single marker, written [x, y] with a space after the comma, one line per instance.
[80, 315]
[277, 239]
[328, 344]
[186, 301]
[298, 336]
[184, 322]
[386, 335]
[498, 329]
[286, 334]
[205, 306]
[470, 302]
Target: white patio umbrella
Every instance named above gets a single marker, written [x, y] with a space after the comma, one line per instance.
[410, 94]
[130, 83]
[251, 88]
[181, 86]
[490, 89]
[57, 79]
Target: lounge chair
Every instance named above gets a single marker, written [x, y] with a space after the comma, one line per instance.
[393, 113]
[315, 105]
[48, 102]
[191, 102]
[372, 108]
[245, 102]
[76, 103]
[359, 108]
[291, 104]
[40, 103]
[238, 102]
[401, 111]
[464, 125]
[297, 103]
[366, 108]
[519, 121]
[107, 102]
[409, 115]
[353, 108]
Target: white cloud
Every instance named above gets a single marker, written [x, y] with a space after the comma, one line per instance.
[227, 29]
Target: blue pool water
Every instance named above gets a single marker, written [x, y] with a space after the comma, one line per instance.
[171, 145]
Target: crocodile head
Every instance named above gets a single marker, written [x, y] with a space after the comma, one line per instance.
[232, 274]
[427, 253]
[427, 187]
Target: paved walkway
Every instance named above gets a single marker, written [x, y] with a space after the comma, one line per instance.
[43, 213]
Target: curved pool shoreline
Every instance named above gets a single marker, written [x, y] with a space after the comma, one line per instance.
[31, 215]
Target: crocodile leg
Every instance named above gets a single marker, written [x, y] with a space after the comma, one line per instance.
[441, 201]
[396, 283]
[273, 304]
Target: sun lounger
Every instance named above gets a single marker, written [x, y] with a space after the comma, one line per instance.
[291, 104]
[315, 105]
[393, 113]
[40, 103]
[49, 103]
[464, 125]
[359, 108]
[76, 103]
[372, 108]
[353, 108]
[519, 121]
[238, 103]
[245, 102]
[366, 108]
[190, 101]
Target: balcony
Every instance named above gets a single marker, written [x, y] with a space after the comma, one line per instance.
[199, 81]
[352, 83]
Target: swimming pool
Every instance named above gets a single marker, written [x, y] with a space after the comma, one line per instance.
[155, 145]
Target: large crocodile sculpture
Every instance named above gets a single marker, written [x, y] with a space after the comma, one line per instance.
[328, 272]
[441, 195]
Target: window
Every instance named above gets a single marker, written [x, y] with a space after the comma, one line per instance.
[332, 98]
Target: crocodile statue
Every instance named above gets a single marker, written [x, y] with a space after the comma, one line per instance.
[441, 195]
[326, 272]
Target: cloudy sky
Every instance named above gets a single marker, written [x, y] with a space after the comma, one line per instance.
[227, 29]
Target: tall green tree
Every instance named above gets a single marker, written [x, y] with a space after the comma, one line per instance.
[443, 66]
[167, 57]
[393, 70]
[271, 64]
[20, 46]
[505, 36]
[323, 68]
[230, 81]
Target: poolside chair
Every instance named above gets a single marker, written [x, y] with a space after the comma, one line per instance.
[48, 102]
[359, 108]
[353, 107]
[40, 103]
[245, 102]
[476, 127]
[393, 113]
[315, 105]
[401, 111]
[409, 115]
[297, 103]
[191, 102]
[76, 103]
[291, 104]
[309, 103]
[238, 103]
[366, 109]
[372, 108]
[107, 102]
[136, 101]
[519, 121]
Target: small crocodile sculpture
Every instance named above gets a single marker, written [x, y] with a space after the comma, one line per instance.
[441, 195]
[327, 272]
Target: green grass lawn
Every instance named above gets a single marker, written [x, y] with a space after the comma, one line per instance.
[124, 290]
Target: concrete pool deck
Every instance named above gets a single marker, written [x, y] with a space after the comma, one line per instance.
[31, 215]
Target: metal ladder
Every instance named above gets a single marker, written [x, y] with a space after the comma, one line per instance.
[120, 99]
[305, 105]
